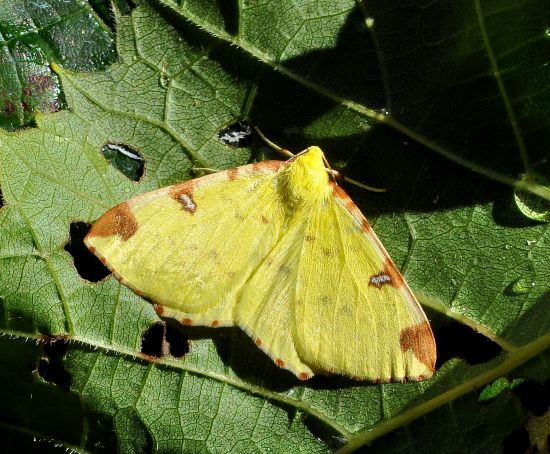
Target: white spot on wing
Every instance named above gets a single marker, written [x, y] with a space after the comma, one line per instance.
[187, 202]
[380, 279]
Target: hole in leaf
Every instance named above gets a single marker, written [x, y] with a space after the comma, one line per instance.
[516, 442]
[457, 340]
[534, 396]
[125, 159]
[238, 134]
[152, 341]
[87, 264]
[230, 12]
[161, 340]
[178, 342]
[50, 367]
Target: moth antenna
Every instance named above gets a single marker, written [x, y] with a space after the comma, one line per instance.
[361, 185]
[274, 145]
[333, 173]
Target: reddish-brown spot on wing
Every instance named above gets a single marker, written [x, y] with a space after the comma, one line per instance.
[366, 226]
[159, 309]
[117, 221]
[215, 323]
[183, 194]
[264, 220]
[232, 173]
[419, 338]
[280, 363]
[304, 376]
[338, 192]
[258, 342]
[187, 321]
[390, 276]
[392, 271]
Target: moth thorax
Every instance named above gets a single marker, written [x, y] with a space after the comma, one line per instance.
[307, 177]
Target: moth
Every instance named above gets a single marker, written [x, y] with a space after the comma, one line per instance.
[278, 249]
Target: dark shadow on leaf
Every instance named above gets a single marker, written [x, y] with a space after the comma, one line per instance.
[517, 442]
[239, 353]
[253, 366]
[133, 432]
[416, 179]
[101, 433]
[506, 212]
[28, 402]
[192, 35]
[456, 340]
[534, 396]
[350, 68]
[23, 321]
[443, 87]
[531, 323]
[104, 10]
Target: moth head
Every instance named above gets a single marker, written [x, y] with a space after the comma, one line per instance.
[306, 176]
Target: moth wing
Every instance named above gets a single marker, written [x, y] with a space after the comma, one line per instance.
[354, 313]
[266, 305]
[192, 246]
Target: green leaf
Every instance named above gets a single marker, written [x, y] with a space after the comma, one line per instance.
[32, 34]
[309, 74]
[466, 79]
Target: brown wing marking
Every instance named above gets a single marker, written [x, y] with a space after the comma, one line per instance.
[117, 221]
[420, 340]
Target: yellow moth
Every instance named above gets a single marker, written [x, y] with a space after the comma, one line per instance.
[280, 250]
